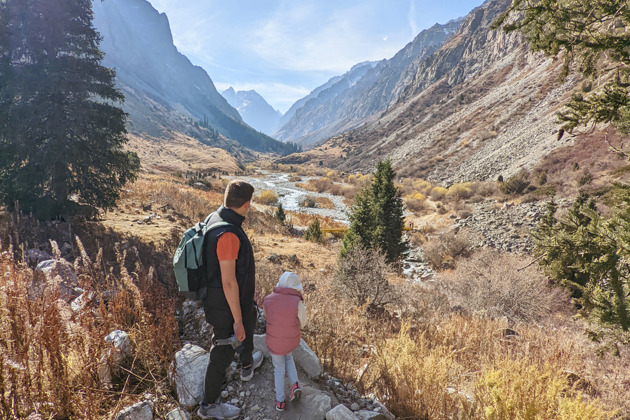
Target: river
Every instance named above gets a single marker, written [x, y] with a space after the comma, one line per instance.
[290, 195]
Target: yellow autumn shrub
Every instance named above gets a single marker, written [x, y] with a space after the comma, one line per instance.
[522, 389]
[438, 193]
[267, 197]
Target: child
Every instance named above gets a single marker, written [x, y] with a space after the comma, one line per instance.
[285, 314]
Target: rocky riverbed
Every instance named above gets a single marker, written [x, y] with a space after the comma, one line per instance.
[291, 196]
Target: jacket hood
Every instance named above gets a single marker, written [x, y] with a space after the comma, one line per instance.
[290, 280]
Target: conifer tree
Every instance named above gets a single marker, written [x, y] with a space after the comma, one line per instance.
[388, 212]
[592, 36]
[376, 219]
[585, 251]
[590, 254]
[313, 232]
[61, 135]
[279, 214]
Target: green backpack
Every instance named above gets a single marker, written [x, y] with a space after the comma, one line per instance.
[188, 262]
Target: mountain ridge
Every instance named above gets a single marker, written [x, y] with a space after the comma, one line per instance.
[165, 93]
[481, 106]
[254, 109]
[375, 91]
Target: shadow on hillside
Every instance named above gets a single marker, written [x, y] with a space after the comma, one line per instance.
[21, 233]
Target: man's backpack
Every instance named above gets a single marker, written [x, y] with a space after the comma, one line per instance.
[188, 261]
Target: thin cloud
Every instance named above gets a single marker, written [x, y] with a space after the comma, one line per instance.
[412, 18]
[336, 41]
[284, 49]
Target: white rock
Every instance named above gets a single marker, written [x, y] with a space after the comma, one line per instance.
[306, 358]
[260, 345]
[303, 355]
[80, 302]
[354, 407]
[50, 274]
[140, 411]
[340, 412]
[313, 406]
[178, 414]
[121, 345]
[189, 374]
[369, 415]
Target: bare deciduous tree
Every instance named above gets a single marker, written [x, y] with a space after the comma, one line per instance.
[361, 276]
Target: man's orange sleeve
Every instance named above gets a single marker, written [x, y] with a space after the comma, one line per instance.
[227, 246]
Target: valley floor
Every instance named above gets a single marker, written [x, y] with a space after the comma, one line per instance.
[484, 336]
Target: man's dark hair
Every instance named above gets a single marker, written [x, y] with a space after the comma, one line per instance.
[237, 193]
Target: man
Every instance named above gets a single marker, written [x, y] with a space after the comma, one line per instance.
[229, 303]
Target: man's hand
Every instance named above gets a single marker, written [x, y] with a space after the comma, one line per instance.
[239, 331]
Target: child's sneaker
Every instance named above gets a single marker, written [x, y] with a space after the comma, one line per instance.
[296, 392]
[280, 406]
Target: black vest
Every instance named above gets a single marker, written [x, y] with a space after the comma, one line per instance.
[216, 307]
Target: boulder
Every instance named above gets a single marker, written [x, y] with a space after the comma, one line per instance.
[178, 414]
[260, 345]
[121, 345]
[340, 412]
[370, 415]
[50, 274]
[189, 373]
[307, 359]
[140, 411]
[82, 301]
[313, 405]
[120, 349]
[303, 355]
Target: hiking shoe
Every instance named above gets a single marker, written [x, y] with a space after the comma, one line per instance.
[218, 411]
[280, 406]
[296, 392]
[248, 373]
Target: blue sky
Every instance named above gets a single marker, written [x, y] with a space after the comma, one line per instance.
[285, 48]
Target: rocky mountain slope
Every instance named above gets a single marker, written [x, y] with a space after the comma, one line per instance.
[336, 84]
[479, 107]
[164, 91]
[368, 88]
[253, 108]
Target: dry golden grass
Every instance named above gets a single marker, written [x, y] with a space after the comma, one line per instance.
[180, 153]
[174, 205]
[434, 375]
[51, 357]
[323, 202]
[417, 357]
[304, 219]
[441, 365]
[311, 255]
